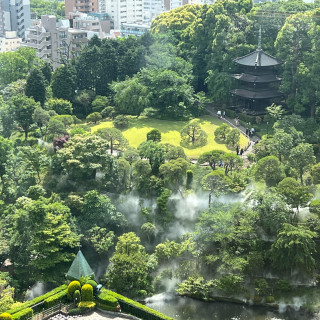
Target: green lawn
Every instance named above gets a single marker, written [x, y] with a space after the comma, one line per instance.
[170, 132]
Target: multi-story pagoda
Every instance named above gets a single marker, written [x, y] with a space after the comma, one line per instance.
[258, 83]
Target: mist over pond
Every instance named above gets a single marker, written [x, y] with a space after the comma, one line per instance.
[183, 308]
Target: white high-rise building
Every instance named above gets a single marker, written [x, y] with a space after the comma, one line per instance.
[15, 16]
[123, 11]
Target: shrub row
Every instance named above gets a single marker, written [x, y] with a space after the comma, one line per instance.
[137, 309]
[5, 316]
[106, 307]
[53, 300]
[107, 300]
[23, 314]
[37, 300]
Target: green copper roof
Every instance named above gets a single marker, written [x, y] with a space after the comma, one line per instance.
[79, 268]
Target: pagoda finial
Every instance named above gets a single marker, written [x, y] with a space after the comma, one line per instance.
[259, 41]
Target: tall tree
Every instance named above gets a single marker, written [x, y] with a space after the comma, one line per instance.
[154, 152]
[114, 138]
[23, 108]
[36, 86]
[302, 158]
[293, 249]
[63, 82]
[192, 134]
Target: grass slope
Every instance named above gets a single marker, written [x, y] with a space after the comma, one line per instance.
[170, 133]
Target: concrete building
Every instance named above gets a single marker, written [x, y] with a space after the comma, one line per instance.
[99, 23]
[55, 42]
[1, 19]
[151, 9]
[10, 41]
[129, 29]
[83, 6]
[124, 11]
[15, 16]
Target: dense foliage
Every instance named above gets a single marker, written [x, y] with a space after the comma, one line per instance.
[216, 225]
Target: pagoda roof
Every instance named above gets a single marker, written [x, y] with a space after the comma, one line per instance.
[79, 267]
[258, 58]
[250, 94]
[254, 78]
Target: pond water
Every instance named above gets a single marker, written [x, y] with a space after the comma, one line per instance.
[183, 308]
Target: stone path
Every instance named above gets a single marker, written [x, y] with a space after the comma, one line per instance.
[101, 315]
[252, 140]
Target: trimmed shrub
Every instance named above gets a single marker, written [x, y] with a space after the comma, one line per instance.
[107, 299]
[87, 292]
[5, 316]
[23, 314]
[77, 296]
[75, 311]
[86, 305]
[37, 301]
[136, 308]
[72, 287]
[54, 300]
[93, 284]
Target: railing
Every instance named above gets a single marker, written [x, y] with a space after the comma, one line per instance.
[45, 314]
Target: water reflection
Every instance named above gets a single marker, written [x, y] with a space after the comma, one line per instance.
[182, 308]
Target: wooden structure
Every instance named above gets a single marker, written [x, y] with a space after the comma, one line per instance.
[258, 83]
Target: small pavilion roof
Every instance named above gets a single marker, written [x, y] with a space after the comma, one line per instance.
[254, 78]
[79, 267]
[258, 58]
[265, 94]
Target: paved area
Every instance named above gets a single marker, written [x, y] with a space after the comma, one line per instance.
[96, 316]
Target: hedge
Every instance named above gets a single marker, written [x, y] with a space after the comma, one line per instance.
[106, 307]
[107, 299]
[5, 316]
[53, 300]
[23, 314]
[37, 301]
[136, 308]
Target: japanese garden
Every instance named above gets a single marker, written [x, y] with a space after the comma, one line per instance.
[184, 163]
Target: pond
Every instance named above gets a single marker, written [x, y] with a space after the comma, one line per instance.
[183, 308]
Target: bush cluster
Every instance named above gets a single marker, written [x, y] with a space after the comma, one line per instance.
[72, 287]
[86, 305]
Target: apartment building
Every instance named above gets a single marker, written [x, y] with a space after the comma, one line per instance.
[83, 6]
[15, 16]
[97, 22]
[10, 42]
[123, 11]
[55, 42]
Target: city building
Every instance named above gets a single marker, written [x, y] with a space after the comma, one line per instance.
[55, 42]
[99, 23]
[10, 41]
[124, 11]
[130, 29]
[151, 9]
[15, 16]
[83, 6]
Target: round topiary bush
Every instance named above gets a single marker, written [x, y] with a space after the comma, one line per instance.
[121, 122]
[77, 296]
[87, 292]
[5, 316]
[72, 287]
[93, 284]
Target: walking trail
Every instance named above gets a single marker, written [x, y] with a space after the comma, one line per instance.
[252, 140]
